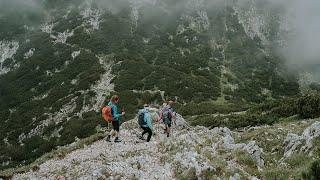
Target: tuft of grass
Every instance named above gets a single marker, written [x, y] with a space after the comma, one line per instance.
[208, 174]
[295, 168]
[313, 173]
[276, 174]
[247, 162]
[298, 161]
[189, 174]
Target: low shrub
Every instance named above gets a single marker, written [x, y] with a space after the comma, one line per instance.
[313, 173]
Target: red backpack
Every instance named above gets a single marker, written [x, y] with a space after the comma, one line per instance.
[106, 113]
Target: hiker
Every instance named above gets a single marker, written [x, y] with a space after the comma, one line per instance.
[145, 122]
[167, 115]
[116, 117]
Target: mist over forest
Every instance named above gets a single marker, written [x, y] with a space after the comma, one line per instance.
[244, 76]
[299, 18]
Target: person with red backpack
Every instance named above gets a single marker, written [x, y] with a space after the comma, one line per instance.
[111, 114]
[167, 116]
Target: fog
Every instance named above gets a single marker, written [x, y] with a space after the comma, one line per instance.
[20, 5]
[302, 19]
[304, 44]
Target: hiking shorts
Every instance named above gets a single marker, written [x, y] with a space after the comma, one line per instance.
[167, 122]
[116, 125]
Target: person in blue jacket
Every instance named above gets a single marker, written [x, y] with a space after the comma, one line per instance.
[116, 118]
[147, 126]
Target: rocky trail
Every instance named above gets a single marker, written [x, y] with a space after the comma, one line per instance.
[189, 152]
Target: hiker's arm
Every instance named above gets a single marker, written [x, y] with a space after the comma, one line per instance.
[148, 120]
[115, 112]
[174, 118]
[161, 116]
[173, 115]
[149, 123]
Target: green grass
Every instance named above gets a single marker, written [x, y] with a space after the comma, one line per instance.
[313, 171]
[277, 174]
[298, 161]
[247, 161]
[296, 166]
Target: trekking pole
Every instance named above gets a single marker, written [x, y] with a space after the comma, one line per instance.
[158, 126]
[171, 129]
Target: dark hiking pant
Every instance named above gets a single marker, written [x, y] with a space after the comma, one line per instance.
[116, 125]
[147, 130]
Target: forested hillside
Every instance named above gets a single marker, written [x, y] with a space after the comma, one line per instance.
[61, 61]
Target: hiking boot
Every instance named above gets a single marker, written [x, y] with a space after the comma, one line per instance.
[117, 140]
[108, 138]
[141, 137]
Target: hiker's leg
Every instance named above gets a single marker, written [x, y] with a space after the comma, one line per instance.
[109, 137]
[149, 134]
[116, 128]
[144, 131]
[111, 132]
[166, 126]
[168, 129]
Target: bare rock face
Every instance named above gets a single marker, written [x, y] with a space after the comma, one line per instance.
[62, 37]
[255, 152]
[92, 19]
[251, 147]
[291, 143]
[309, 135]
[192, 159]
[303, 143]
[228, 141]
[7, 50]
[29, 54]
[75, 54]
[47, 28]
[235, 177]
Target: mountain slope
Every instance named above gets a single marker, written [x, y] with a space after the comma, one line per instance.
[60, 62]
[191, 152]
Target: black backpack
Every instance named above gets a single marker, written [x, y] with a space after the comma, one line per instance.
[141, 119]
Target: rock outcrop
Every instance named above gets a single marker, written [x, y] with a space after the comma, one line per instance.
[188, 149]
[303, 143]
